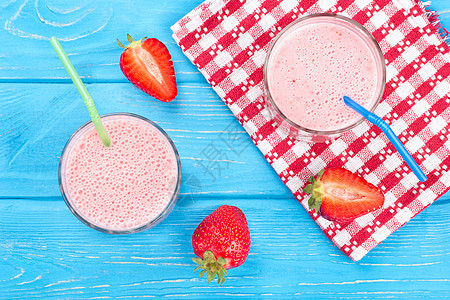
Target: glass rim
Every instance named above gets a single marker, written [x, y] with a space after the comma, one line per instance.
[167, 210]
[370, 38]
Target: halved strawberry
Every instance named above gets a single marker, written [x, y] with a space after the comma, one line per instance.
[341, 196]
[148, 65]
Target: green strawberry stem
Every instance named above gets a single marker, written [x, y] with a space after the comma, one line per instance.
[315, 188]
[132, 42]
[211, 266]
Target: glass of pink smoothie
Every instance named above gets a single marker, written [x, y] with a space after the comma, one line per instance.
[311, 65]
[127, 187]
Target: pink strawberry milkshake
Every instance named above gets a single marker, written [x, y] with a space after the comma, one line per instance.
[127, 187]
[313, 64]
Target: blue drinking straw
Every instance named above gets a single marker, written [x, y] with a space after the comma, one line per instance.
[376, 120]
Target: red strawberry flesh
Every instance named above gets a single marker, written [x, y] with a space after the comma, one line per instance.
[346, 196]
[148, 65]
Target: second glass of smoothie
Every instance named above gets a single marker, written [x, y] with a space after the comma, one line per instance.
[311, 65]
[127, 187]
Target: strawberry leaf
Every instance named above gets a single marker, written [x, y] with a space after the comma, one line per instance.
[197, 260]
[210, 276]
[315, 188]
[120, 44]
[211, 267]
[320, 174]
[198, 268]
[209, 256]
[311, 203]
[221, 261]
[220, 277]
[129, 38]
[308, 189]
[317, 205]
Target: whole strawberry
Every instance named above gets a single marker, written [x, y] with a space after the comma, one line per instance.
[341, 196]
[221, 241]
[147, 64]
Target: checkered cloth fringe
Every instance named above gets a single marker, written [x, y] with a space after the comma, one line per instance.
[228, 42]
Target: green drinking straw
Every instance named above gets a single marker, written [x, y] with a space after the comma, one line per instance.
[83, 91]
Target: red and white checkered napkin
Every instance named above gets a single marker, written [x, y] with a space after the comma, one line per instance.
[228, 42]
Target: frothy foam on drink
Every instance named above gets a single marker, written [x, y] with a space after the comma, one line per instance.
[313, 67]
[126, 185]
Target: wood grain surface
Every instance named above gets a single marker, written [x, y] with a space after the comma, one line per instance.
[45, 252]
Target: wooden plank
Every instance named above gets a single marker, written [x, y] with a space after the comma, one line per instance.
[217, 155]
[88, 32]
[46, 252]
[442, 7]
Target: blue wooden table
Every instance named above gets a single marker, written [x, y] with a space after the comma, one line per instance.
[45, 252]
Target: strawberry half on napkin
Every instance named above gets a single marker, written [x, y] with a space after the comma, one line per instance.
[341, 196]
